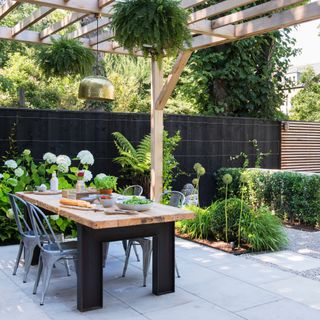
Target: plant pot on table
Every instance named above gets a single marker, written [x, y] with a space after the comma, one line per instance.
[106, 191]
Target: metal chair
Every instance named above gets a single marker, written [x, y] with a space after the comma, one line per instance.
[51, 251]
[134, 190]
[176, 199]
[28, 240]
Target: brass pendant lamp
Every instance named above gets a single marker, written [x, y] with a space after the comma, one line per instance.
[96, 87]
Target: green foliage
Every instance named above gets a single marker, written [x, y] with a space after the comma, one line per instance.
[199, 227]
[243, 78]
[264, 231]
[22, 71]
[218, 223]
[65, 57]
[306, 103]
[156, 27]
[291, 195]
[135, 162]
[106, 183]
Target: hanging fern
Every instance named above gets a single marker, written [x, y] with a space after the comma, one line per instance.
[156, 27]
[66, 57]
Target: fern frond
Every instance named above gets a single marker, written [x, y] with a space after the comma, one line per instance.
[144, 149]
[123, 144]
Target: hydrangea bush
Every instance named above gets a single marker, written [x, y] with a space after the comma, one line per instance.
[24, 174]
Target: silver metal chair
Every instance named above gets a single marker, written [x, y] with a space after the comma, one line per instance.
[28, 240]
[134, 190]
[51, 251]
[176, 199]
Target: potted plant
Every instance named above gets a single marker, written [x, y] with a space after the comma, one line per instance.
[105, 184]
[158, 28]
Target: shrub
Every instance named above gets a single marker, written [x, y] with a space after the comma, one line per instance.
[218, 223]
[292, 195]
[199, 227]
[263, 230]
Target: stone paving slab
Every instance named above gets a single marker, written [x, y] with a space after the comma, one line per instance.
[213, 285]
[289, 260]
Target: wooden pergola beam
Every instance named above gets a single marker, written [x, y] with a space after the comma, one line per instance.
[90, 27]
[263, 25]
[186, 4]
[205, 27]
[73, 5]
[103, 3]
[104, 36]
[32, 19]
[253, 12]
[65, 22]
[218, 8]
[7, 7]
[172, 79]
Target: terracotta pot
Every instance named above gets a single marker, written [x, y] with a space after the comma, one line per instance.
[105, 191]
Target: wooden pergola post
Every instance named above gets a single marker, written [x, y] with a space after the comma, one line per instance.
[156, 132]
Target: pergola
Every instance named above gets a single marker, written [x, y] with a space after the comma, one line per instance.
[210, 26]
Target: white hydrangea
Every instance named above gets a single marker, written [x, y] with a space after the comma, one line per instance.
[1, 175]
[50, 157]
[87, 176]
[9, 214]
[86, 157]
[63, 159]
[19, 172]
[101, 176]
[11, 164]
[26, 152]
[62, 167]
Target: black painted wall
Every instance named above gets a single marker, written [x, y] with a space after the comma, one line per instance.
[208, 140]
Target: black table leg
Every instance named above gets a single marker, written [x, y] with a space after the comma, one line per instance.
[163, 280]
[90, 294]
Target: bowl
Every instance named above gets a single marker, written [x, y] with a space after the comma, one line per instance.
[134, 207]
[107, 202]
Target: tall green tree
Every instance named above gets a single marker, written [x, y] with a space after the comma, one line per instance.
[306, 103]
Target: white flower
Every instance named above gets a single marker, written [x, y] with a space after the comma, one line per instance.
[49, 157]
[86, 157]
[1, 175]
[101, 176]
[62, 167]
[63, 159]
[9, 214]
[87, 176]
[19, 172]
[11, 164]
[26, 152]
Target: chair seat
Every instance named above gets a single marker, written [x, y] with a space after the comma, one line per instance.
[68, 247]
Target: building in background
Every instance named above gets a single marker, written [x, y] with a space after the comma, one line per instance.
[294, 75]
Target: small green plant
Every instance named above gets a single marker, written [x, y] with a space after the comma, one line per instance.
[106, 182]
[200, 171]
[157, 27]
[227, 179]
[263, 230]
[65, 57]
[243, 181]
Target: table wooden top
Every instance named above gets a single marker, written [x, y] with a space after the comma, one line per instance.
[159, 213]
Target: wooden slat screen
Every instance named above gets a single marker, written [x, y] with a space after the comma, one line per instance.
[300, 146]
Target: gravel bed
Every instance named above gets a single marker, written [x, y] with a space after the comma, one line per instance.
[302, 242]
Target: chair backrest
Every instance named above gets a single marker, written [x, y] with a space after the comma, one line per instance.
[134, 190]
[176, 198]
[18, 205]
[42, 228]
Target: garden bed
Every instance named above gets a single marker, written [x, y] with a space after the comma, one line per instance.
[219, 245]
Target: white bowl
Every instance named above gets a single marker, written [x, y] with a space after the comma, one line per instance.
[134, 207]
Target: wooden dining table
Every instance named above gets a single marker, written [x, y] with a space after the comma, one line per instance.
[96, 227]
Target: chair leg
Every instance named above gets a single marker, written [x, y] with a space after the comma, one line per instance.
[28, 254]
[18, 258]
[75, 261]
[127, 258]
[47, 271]
[136, 252]
[146, 246]
[66, 264]
[177, 270]
[105, 250]
[40, 268]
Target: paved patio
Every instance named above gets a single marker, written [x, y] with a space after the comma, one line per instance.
[214, 285]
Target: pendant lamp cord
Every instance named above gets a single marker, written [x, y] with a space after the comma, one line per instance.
[97, 48]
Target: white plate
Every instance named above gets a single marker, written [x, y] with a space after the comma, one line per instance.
[134, 207]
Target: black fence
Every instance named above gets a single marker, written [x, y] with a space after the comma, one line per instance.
[208, 140]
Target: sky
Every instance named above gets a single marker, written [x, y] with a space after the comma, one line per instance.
[308, 39]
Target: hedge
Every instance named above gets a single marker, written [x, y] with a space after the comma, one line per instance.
[293, 196]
